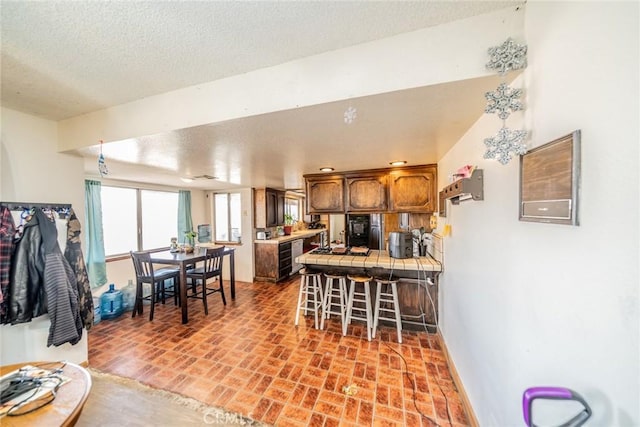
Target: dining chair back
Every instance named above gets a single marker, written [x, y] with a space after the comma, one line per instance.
[145, 273]
[210, 268]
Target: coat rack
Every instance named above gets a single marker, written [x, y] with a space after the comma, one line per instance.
[16, 206]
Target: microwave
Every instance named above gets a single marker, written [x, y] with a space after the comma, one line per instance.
[263, 235]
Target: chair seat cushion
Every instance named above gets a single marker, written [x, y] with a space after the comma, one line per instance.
[200, 271]
[165, 272]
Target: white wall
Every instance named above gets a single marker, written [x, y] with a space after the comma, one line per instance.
[525, 304]
[32, 171]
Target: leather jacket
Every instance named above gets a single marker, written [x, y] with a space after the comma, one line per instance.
[27, 297]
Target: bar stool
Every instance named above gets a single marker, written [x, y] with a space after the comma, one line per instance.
[387, 297]
[311, 289]
[362, 297]
[334, 297]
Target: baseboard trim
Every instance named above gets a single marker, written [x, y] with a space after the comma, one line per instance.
[468, 409]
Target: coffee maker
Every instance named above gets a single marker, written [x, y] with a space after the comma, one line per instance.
[358, 230]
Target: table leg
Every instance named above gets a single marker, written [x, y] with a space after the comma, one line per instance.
[183, 292]
[232, 274]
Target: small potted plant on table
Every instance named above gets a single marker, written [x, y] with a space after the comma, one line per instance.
[289, 220]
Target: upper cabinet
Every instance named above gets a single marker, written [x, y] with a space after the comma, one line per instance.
[325, 194]
[413, 189]
[366, 193]
[269, 207]
[407, 189]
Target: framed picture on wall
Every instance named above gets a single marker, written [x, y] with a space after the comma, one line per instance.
[550, 181]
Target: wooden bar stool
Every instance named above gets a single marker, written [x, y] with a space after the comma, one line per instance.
[387, 297]
[334, 297]
[311, 289]
[361, 297]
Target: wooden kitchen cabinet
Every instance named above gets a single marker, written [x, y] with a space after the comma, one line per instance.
[268, 207]
[272, 261]
[413, 189]
[325, 194]
[394, 190]
[366, 193]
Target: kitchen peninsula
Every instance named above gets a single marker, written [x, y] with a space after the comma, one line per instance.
[416, 276]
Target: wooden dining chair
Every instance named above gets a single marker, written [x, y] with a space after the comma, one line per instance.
[211, 268]
[145, 273]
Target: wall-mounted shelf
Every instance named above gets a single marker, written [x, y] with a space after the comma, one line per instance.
[471, 188]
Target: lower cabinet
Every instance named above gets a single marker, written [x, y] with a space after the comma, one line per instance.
[272, 261]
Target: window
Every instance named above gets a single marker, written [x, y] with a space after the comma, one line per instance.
[228, 217]
[125, 211]
[292, 207]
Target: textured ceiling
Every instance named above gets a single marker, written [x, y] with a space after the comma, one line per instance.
[61, 59]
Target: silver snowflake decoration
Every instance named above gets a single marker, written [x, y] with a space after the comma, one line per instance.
[503, 101]
[350, 115]
[505, 144]
[508, 56]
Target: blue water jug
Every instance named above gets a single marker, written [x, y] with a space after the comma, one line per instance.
[97, 312]
[111, 305]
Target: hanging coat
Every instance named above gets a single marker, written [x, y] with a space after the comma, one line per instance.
[61, 288]
[73, 254]
[7, 233]
[26, 292]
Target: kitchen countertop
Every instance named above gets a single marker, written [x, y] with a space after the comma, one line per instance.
[375, 258]
[301, 234]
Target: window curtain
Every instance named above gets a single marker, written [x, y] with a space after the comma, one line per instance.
[96, 265]
[185, 224]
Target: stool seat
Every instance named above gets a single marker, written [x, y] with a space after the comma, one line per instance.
[308, 272]
[384, 300]
[356, 278]
[365, 314]
[331, 275]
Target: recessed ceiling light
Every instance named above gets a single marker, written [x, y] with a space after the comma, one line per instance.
[186, 179]
[326, 169]
[398, 163]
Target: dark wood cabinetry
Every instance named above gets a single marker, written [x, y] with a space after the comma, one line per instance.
[272, 261]
[269, 207]
[366, 193]
[325, 194]
[284, 260]
[413, 189]
[406, 189]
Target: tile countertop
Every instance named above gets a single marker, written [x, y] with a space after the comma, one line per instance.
[302, 234]
[379, 259]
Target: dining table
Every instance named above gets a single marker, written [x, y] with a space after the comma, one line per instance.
[185, 259]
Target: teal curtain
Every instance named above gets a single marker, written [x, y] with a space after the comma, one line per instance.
[96, 265]
[184, 216]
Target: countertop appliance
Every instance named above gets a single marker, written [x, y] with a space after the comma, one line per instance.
[263, 235]
[358, 230]
[400, 245]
